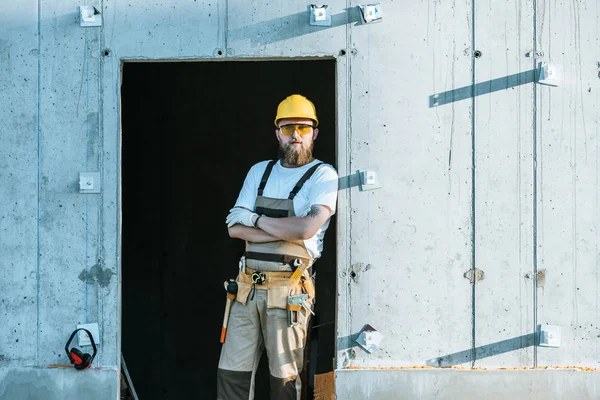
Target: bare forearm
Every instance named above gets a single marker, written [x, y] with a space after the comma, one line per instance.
[250, 234]
[290, 228]
[296, 228]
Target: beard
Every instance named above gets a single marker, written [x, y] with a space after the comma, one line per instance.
[290, 156]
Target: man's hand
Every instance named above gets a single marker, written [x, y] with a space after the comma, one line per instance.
[242, 216]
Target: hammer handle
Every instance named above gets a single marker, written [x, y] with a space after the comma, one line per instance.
[225, 319]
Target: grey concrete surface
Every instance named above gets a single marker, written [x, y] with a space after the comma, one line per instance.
[503, 182]
[421, 215]
[446, 384]
[501, 175]
[22, 383]
[568, 214]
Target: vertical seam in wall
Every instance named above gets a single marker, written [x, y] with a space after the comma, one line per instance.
[369, 194]
[597, 208]
[534, 156]
[119, 205]
[226, 27]
[349, 53]
[473, 247]
[100, 228]
[87, 140]
[39, 135]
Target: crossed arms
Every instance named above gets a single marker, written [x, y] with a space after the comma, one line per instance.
[288, 228]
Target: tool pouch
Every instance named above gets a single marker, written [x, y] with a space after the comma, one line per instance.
[243, 292]
[279, 290]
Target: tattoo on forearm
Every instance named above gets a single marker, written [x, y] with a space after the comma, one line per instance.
[314, 212]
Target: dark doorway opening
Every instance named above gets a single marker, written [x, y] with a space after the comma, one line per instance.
[190, 132]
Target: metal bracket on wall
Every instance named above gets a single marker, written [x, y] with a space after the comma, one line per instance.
[370, 13]
[549, 335]
[89, 16]
[369, 180]
[364, 179]
[547, 74]
[319, 15]
[84, 339]
[369, 338]
[89, 182]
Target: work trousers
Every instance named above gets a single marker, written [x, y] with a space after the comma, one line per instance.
[252, 329]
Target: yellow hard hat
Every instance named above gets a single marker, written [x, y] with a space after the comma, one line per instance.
[296, 106]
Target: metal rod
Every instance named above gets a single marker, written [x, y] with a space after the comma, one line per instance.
[128, 378]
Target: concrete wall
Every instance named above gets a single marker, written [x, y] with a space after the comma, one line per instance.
[495, 173]
[451, 384]
[481, 168]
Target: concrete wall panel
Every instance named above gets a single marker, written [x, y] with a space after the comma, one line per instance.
[503, 150]
[569, 183]
[58, 384]
[69, 222]
[409, 240]
[109, 254]
[177, 29]
[18, 181]
[343, 307]
[449, 384]
[405, 109]
[282, 29]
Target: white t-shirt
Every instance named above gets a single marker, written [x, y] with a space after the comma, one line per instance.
[320, 189]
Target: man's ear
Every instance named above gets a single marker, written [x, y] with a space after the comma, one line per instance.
[315, 133]
[277, 134]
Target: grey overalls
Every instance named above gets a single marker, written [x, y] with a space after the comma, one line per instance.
[259, 319]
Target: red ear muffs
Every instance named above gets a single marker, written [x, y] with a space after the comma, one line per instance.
[78, 359]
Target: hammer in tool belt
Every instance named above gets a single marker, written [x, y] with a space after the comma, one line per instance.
[231, 287]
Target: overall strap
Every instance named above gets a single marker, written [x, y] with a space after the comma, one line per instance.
[265, 177]
[304, 178]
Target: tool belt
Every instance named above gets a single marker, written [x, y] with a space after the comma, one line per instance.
[278, 284]
[279, 258]
[273, 262]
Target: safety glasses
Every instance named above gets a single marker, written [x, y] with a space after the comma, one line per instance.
[302, 129]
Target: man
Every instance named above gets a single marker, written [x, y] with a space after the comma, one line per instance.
[282, 212]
